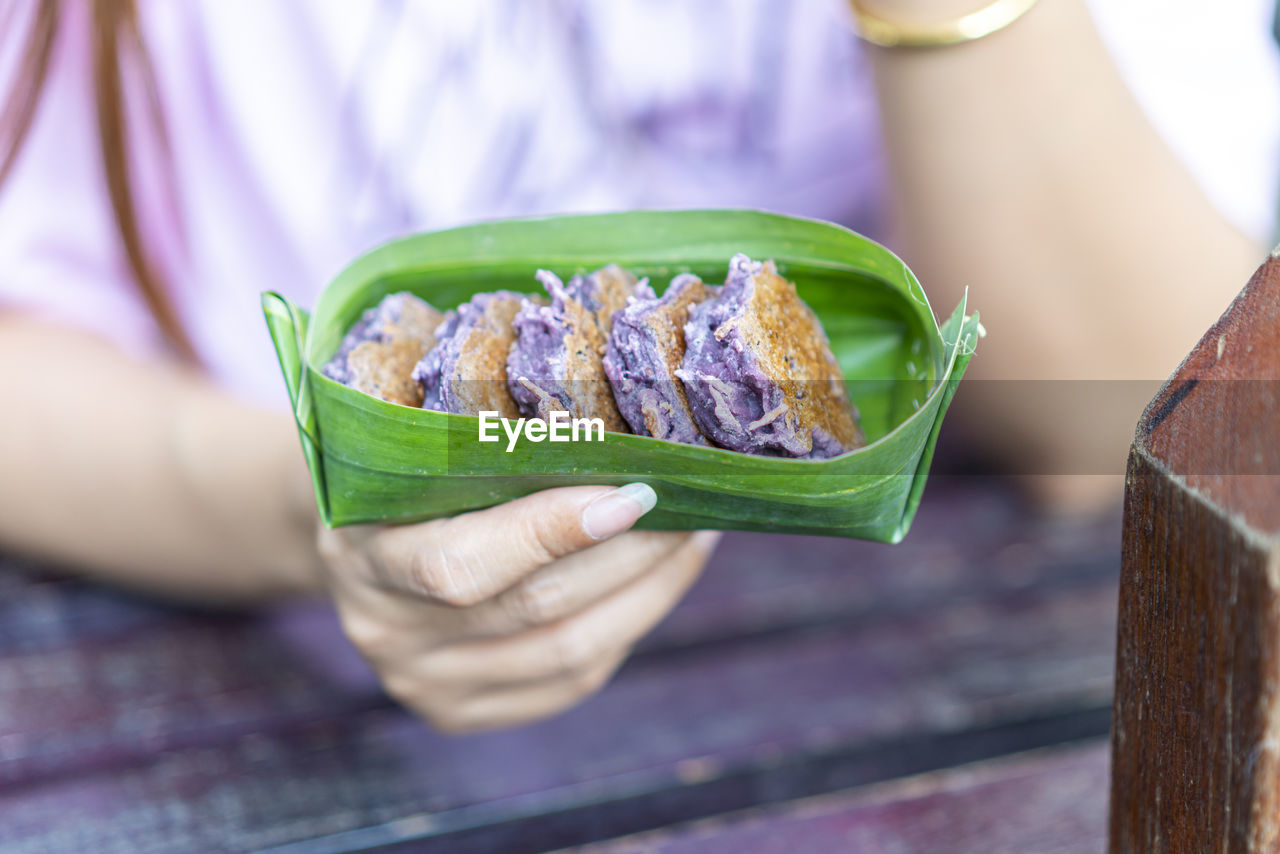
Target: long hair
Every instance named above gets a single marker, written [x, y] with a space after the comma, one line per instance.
[115, 40]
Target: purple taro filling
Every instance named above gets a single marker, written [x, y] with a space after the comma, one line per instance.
[378, 353]
[398, 315]
[745, 366]
[555, 363]
[465, 373]
[759, 373]
[645, 349]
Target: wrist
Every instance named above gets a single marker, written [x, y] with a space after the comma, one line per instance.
[918, 13]
[307, 571]
[247, 493]
[933, 23]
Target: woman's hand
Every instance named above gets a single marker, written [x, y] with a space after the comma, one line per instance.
[509, 614]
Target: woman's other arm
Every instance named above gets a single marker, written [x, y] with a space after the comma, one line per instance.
[1022, 166]
[146, 473]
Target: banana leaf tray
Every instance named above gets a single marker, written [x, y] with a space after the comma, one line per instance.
[377, 462]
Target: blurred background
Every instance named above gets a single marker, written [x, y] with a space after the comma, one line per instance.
[1102, 178]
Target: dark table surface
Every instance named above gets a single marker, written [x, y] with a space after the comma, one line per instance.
[948, 694]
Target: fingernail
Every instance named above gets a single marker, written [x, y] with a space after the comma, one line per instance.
[707, 540]
[616, 511]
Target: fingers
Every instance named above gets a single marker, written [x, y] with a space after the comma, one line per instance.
[470, 558]
[577, 643]
[528, 702]
[556, 600]
[572, 583]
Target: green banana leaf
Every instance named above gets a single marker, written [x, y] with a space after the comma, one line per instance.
[374, 461]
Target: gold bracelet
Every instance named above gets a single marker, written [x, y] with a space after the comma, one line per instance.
[975, 25]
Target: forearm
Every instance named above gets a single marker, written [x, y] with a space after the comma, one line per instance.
[146, 475]
[1022, 167]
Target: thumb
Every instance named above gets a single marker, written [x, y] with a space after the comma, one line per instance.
[472, 557]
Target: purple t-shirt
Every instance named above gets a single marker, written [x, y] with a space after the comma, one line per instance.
[302, 132]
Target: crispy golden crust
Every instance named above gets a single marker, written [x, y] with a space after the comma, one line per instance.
[378, 354]
[666, 323]
[648, 347]
[384, 368]
[555, 363]
[584, 373]
[792, 348]
[417, 321]
[586, 346]
[480, 373]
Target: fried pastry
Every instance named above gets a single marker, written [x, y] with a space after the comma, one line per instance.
[645, 349]
[466, 371]
[555, 362]
[759, 372]
[378, 354]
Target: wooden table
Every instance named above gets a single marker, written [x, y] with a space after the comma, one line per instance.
[809, 695]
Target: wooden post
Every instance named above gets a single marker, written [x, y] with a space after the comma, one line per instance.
[1196, 721]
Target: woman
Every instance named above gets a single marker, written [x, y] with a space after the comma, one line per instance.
[166, 164]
